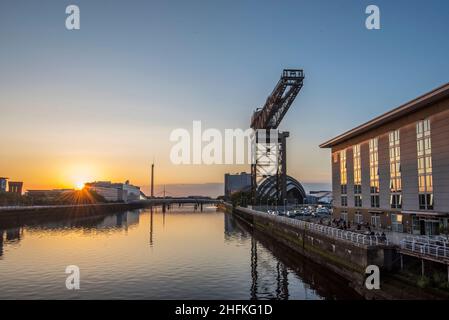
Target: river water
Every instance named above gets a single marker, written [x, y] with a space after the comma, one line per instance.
[147, 254]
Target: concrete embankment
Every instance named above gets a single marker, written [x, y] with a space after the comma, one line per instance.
[13, 216]
[344, 257]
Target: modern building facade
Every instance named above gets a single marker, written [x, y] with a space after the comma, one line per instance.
[236, 182]
[393, 171]
[3, 184]
[15, 187]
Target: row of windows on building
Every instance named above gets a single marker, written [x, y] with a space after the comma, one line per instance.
[424, 156]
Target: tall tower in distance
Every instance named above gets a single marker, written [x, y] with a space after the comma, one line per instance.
[152, 180]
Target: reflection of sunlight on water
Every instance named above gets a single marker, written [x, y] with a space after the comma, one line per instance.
[138, 254]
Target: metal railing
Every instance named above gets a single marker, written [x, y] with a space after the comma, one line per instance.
[426, 249]
[434, 240]
[354, 237]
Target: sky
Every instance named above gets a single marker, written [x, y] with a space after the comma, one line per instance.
[100, 103]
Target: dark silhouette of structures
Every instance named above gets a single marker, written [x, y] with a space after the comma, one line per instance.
[270, 157]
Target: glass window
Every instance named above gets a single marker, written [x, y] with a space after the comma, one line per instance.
[343, 172]
[396, 222]
[396, 201]
[375, 220]
[374, 171]
[358, 217]
[357, 169]
[375, 202]
[395, 169]
[344, 201]
[424, 152]
[358, 200]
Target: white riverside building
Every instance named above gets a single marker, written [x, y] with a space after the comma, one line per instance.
[115, 192]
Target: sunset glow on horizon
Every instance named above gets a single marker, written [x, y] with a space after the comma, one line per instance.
[79, 185]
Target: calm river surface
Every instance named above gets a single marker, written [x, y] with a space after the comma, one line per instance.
[181, 254]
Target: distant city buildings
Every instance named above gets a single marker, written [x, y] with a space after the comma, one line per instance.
[112, 192]
[13, 186]
[115, 192]
[3, 184]
[236, 182]
[393, 171]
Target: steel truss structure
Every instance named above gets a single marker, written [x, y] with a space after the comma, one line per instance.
[269, 144]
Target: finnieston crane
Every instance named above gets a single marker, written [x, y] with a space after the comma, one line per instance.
[269, 157]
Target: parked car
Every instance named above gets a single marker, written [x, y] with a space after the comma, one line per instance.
[322, 210]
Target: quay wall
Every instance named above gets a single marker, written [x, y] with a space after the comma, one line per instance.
[345, 258]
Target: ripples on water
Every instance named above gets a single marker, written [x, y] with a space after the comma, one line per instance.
[142, 255]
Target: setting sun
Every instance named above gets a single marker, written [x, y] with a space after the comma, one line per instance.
[79, 185]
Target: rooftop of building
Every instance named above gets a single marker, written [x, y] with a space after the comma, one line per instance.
[320, 193]
[109, 184]
[416, 104]
[237, 173]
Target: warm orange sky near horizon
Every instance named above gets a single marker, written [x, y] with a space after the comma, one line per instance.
[61, 156]
[63, 151]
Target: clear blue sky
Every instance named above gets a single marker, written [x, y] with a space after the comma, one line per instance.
[138, 69]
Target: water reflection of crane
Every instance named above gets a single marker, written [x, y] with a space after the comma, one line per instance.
[282, 281]
[269, 275]
[253, 269]
[259, 288]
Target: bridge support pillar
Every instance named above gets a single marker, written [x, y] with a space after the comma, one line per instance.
[201, 207]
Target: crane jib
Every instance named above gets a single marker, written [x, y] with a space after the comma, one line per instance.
[280, 100]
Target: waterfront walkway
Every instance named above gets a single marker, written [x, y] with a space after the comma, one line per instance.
[433, 248]
[357, 238]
